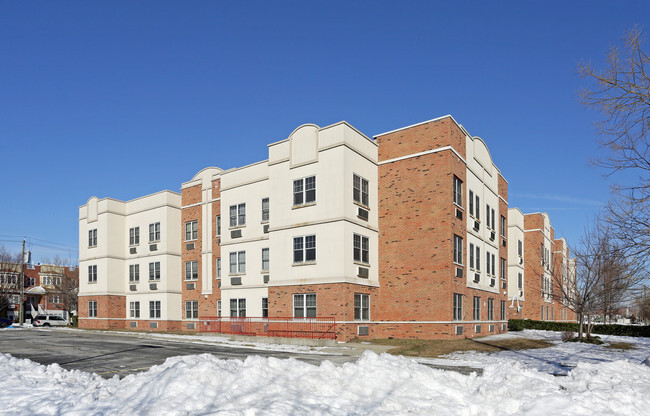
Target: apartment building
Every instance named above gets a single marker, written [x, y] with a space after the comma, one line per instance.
[406, 235]
[130, 262]
[43, 286]
[442, 234]
[543, 268]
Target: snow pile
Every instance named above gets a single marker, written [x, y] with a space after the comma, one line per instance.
[375, 384]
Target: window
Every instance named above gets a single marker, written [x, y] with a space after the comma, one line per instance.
[304, 191]
[503, 310]
[218, 225]
[541, 250]
[359, 190]
[191, 230]
[192, 309]
[238, 215]
[361, 249]
[192, 270]
[265, 259]
[471, 255]
[134, 273]
[265, 209]
[458, 307]
[478, 208]
[458, 191]
[265, 307]
[503, 226]
[478, 259]
[154, 232]
[238, 308]
[520, 248]
[520, 281]
[304, 249]
[304, 305]
[134, 236]
[92, 238]
[503, 268]
[361, 307]
[541, 313]
[92, 274]
[92, 309]
[55, 299]
[458, 250]
[490, 309]
[154, 309]
[487, 263]
[494, 262]
[487, 215]
[134, 309]
[471, 203]
[154, 271]
[219, 308]
[237, 262]
[219, 267]
[477, 308]
[48, 280]
[493, 219]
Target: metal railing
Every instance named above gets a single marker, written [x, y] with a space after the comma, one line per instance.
[314, 328]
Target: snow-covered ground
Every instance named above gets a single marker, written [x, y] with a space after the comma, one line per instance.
[601, 382]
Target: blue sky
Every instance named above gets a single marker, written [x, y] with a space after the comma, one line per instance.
[122, 99]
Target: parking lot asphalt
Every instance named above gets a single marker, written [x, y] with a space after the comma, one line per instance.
[109, 354]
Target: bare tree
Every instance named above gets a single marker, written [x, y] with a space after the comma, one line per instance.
[66, 285]
[621, 92]
[9, 275]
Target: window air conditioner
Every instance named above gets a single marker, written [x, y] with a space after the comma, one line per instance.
[459, 272]
[477, 277]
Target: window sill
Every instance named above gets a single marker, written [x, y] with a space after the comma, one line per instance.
[264, 222]
[308, 204]
[264, 272]
[92, 283]
[92, 246]
[154, 280]
[460, 207]
[190, 241]
[235, 274]
[191, 280]
[303, 263]
[134, 245]
[359, 204]
[135, 282]
[154, 242]
[459, 264]
[360, 263]
[236, 227]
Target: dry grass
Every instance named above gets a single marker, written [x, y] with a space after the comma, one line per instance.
[435, 348]
[620, 346]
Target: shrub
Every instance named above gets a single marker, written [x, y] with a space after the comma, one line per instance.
[75, 321]
[612, 329]
[567, 336]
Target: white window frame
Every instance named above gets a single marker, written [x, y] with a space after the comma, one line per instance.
[490, 309]
[134, 273]
[237, 262]
[458, 250]
[266, 210]
[300, 244]
[266, 261]
[218, 267]
[237, 215]
[361, 249]
[154, 271]
[92, 273]
[504, 226]
[154, 232]
[134, 236]
[457, 308]
[239, 308]
[302, 195]
[92, 238]
[361, 307]
[192, 230]
[360, 190]
[154, 309]
[219, 308]
[265, 307]
[300, 307]
[192, 270]
[134, 309]
[92, 309]
[476, 310]
[457, 191]
[218, 222]
[192, 309]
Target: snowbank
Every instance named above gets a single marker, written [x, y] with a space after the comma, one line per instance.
[375, 384]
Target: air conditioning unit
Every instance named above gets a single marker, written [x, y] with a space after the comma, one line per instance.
[266, 278]
[189, 246]
[235, 234]
[266, 229]
[133, 250]
[492, 235]
[521, 260]
[492, 282]
[459, 214]
[190, 286]
[153, 247]
[235, 281]
[459, 272]
[153, 286]
[362, 214]
[363, 272]
[476, 225]
[133, 288]
[503, 284]
[477, 277]
[503, 242]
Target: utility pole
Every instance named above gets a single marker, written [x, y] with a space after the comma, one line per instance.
[22, 286]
